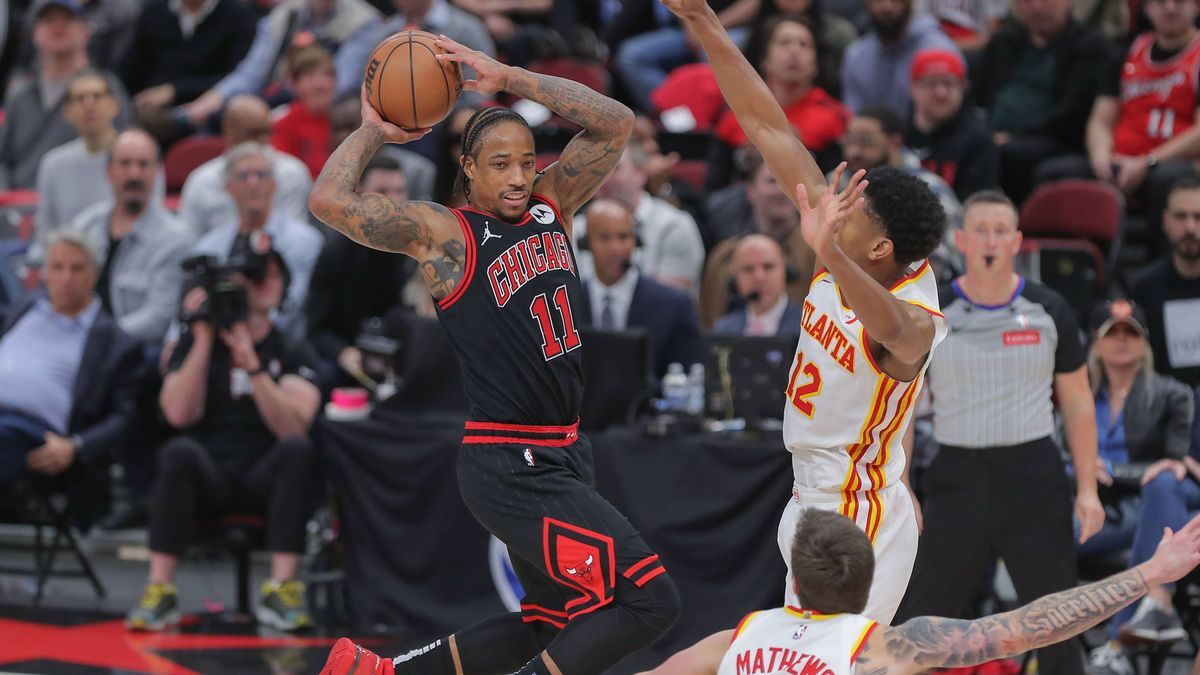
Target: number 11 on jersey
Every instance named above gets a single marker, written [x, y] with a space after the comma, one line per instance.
[552, 345]
[800, 390]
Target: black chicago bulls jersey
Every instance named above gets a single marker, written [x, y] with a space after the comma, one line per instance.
[511, 320]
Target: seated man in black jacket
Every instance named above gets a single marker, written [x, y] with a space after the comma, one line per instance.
[352, 283]
[243, 408]
[1040, 74]
[58, 417]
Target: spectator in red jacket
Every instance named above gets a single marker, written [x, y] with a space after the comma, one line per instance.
[303, 131]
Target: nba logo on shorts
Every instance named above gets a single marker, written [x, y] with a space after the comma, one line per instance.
[528, 456]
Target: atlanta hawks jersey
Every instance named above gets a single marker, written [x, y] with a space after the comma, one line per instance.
[791, 640]
[844, 418]
[1158, 99]
[511, 321]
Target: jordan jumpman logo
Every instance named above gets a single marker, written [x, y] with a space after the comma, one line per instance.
[487, 234]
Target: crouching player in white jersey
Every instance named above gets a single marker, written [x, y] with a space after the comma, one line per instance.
[870, 322]
[825, 633]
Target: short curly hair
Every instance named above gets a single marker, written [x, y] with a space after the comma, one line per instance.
[907, 210]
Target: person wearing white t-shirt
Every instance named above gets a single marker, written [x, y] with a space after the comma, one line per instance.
[669, 247]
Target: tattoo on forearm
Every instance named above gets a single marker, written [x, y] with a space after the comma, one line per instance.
[593, 154]
[929, 642]
[372, 219]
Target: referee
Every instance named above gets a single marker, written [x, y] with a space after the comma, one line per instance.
[998, 486]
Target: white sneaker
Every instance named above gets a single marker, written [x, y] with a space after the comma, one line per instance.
[1109, 659]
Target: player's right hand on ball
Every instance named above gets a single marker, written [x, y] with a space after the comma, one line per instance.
[391, 132]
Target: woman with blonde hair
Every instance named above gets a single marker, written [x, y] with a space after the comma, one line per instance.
[1143, 424]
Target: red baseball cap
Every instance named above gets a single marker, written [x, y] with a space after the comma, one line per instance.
[937, 62]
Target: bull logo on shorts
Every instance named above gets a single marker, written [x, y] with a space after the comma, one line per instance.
[581, 560]
[582, 570]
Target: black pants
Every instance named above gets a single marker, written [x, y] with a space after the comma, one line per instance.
[980, 504]
[594, 591]
[190, 484]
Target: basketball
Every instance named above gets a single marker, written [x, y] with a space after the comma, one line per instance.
[407, 85]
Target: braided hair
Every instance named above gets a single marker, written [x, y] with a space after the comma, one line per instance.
[471, 133]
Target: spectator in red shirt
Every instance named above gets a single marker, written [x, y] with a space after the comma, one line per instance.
[1142, 134]
[303, 130]
[788, 64]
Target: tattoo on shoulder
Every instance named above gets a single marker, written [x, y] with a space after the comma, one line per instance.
[444, 272]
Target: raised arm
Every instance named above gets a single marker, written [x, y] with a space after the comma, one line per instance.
[928, 642]
[368, 218]
[591, 156]
[902, 332]
[753, 104]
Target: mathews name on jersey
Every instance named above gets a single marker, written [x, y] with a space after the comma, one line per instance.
[511, 322]
[844, 417]
[792, 640]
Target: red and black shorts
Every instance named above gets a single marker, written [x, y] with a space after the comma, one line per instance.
[534, 488]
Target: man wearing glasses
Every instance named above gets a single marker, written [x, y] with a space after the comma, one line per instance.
[34, 122]
[250, 180]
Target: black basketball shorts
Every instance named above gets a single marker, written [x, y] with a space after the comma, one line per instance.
[534, 488]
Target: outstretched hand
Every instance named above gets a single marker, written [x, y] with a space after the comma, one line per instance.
[819, 225]
[391, 132]
[1178, 553]
[491, 76]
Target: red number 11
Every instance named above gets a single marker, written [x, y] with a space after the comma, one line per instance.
[552, 345]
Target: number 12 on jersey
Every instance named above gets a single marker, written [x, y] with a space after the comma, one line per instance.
[552, 345]
[799, 389]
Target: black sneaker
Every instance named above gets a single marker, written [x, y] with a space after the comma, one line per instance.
[1153, 623]
[158, 610]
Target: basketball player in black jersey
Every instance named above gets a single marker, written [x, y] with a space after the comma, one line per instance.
[504, 277]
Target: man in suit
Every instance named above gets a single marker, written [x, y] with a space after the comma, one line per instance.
[58, 417]
[620, 298]
[759, 269]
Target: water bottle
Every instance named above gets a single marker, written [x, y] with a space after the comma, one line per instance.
[695, 405]
[675, 388]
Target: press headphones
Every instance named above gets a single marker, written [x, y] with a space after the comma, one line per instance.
[790, 274]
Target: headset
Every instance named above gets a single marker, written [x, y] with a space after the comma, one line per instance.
[790, 274]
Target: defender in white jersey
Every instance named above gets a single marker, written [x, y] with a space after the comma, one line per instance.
[844, 423]
[870, 322]
[826, 633]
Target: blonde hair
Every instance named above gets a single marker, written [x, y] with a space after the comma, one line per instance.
[1096, 376]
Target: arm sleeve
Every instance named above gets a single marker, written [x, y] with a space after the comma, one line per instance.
[851, 95]
[980, 169]
[252, 72]
[1070, 353]
[1111, 84]
[683, 251]
[101, 439]
[180, 352]
[1180, 411]
[322, 300]
[150, 321]
[44, 220]
[136, 63]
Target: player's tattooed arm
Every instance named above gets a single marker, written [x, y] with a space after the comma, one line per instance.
[592, 155]
[929, 642]
[444, 272]
[418, 229]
